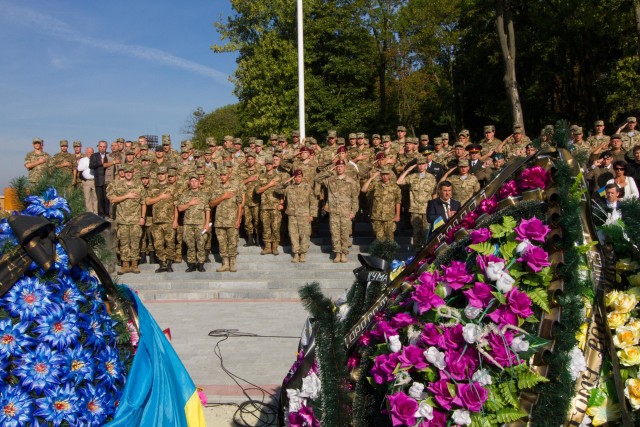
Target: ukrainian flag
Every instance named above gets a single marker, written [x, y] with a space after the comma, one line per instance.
[439, 222]
[601, 191]
[159, 391]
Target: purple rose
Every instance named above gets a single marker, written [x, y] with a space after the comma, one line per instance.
[469, 221]
[426, 298]
[453, 337]
[534, 177]
[480, 295]
[503, 316]
[442, 394]
[403, 409]
[536, 258]
[401, 320]
[383, 367]
[471, 396]
[484, 260]
[500, 349]
[429, 278]
[488, 206]
[439, 420]
[456, 275]
[461, 364]
[431, 335]
[480, 235]
[412, 355]
[303, 418]
[532, 229]
[382, 329]
[509, 189]
[519, 303]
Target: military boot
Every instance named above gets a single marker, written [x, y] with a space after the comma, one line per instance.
[274, 248]
[232, 264]
[256, 240]
[343, 258]
[143, 258]
[200, 267]
[191, 267]
[225, 265]
[295, 259]
[336, 258]
[170, 266]
[249, 240]
[302, 257]
[124, 268]
[134, 267]
[162, 266]
[152, 258]
[267, 249]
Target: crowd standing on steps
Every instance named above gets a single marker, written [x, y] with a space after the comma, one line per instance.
[167, 205]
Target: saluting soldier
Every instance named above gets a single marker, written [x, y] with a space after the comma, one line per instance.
[195, 205]
[64, 160]
[129, 198]
[490, 144]
[628, 134]
[302, 207]
[464, 184]
[77, 154]
[161, 198]
[385, 208]
[227, 199]
[421, 186]
[270, 206]
[36, 161]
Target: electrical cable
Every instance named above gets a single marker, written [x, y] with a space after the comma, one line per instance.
[252, 412]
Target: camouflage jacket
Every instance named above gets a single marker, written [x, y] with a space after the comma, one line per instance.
[420, 191]
[163, 210]
[196, 214]
[342, 195]
[269, 200]
[227, 210]
[463, 189]
[384, 199]
[128, 211]
[300, 199]
[36, 172]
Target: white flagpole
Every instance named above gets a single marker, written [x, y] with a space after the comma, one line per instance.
[300, 73]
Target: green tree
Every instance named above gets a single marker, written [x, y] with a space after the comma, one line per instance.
[218, 123]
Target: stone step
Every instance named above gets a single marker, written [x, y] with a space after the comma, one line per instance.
[246, 293]
[241, 275]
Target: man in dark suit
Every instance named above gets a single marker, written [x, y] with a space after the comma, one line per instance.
[607, 209]
[98, 162]
[433, 167]
[443, 207]
[475, 164]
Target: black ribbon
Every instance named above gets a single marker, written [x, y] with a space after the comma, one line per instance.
[37, 238]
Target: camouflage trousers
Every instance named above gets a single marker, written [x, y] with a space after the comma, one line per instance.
[420, 227]
[251, 218]
[164, 237]
[146, 243]
[194, 239]
[179, 240]
[271, 220]
[383, 230]
[227, 241]
[299, 233]
[129, 241]
[340, 227]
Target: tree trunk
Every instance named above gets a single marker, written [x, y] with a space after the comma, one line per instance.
[636, 8]
[506, 35]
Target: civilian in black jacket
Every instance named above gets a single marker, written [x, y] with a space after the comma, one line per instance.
[433, 167]
[444, 206]
[97, 163]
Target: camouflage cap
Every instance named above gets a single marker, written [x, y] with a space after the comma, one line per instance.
[375, 136]
[437, 140]
[166, 139]
[572, 128]
[616, 136]
[576, 131]
[144, 147]
[120, 140]
[360, 135]
[252, 140]
[237, 141]
[130, 153]
[64, 143]
[228, 138]
[201, 171]
[259, 142]
[386, 170]
[464, 132]
[184, 150]
[413, 140]
[268, 161]
[631, 119]
[161, 170]
[250, 154]
[421, 160]
[210, 141]
[193, 175]
[352, 136]
[197, 153]
[145, 158]
[386, 138]
[77, 143]
[172, 172]
[295, 133]
[158, 149]
[598, 123]
[489, 128]
[340, 141]
[332, 134]
[444, 136]
[37, 140]
[145, 173]
[273, 137]
[424, 137]
[519, 130]
[401, 129]
[282, 138]
[463, 163]
[127, 168]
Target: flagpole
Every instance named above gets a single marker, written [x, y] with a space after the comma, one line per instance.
[300, 73]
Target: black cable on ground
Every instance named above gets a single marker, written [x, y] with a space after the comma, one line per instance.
[252, 412]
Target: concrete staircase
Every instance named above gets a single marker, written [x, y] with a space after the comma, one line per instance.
[262, 276]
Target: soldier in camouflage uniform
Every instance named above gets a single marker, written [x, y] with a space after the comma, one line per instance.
[514, 145]
[342, 206]
[385, 208]
[490, 144]
[64, 160]
[628, 133]
[270, 207]
[194, 204]
[227, 199]
[36, 161]
[177, 189]
[421, 186]
[129, 198]
[249, 173]
[440, 155]
[302, 206]
[464, 184]
[146, 243]
[161, 197]
[77, 154]
[599, 139]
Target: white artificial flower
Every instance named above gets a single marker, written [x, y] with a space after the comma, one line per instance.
[470, 332]
[472, 312]
[522, 246]
[394, 343]
[403, 378]
[519, 344]
[505, 282]
[310, 386]
[424, 411]
[343, 311]
[435, 357]
[494, 270]
[461, 417]
[416, 390]
[414, 335]
[295, 400]
[578, 363]
[483, 377]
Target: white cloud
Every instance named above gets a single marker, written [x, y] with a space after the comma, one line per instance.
[52, 26]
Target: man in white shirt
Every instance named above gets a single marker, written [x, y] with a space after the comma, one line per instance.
[88, 187]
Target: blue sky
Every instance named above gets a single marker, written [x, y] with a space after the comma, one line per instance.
[93, 70]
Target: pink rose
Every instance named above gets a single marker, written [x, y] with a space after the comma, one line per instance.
[519, 303]
[303, 418]
[403, 409]
[456, 275]
[480, 295]
[426, 298]
[412, 356]
[509, 189]
[383, 367]
[488, 206]
[480, 235]
[461, 364]
[431, 335]
[534, 177]
[536, 258]
[442, 394]
[401, 320]
[532, 229]
[471, 396]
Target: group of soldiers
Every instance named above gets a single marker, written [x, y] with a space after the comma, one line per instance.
[163, 200]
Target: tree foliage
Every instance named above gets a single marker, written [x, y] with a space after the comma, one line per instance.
[432, 65]
[218, 123]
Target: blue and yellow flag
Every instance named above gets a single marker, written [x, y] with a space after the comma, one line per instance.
[601, 191]
[439, 222]
[159, 390]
